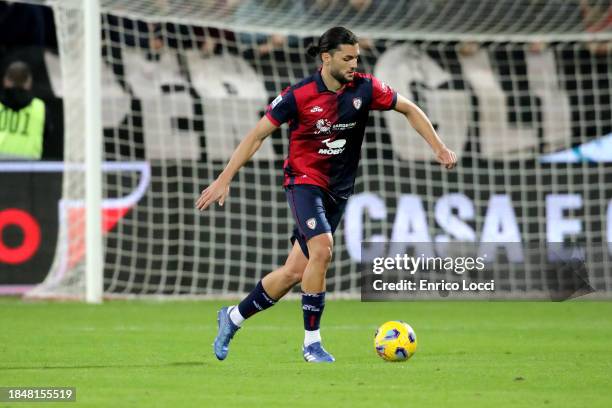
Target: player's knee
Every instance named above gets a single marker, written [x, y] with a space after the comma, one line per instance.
[320, 248]
[293, 273]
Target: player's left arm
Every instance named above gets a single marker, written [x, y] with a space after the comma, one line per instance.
[419, 121]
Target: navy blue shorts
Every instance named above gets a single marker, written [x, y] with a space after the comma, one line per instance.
[315, 212]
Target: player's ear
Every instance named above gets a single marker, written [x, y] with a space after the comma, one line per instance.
[326, 57]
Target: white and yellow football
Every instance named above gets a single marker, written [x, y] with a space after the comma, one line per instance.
[395, 341]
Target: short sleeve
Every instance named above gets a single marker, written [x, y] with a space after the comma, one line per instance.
[283, 108]
[383, 96]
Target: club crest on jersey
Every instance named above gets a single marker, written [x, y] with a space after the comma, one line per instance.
[311, 223]
[357, 103]
[323, 126]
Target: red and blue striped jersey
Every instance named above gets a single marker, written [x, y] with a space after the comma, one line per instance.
[327, 129]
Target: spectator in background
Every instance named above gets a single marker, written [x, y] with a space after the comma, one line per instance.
[468, 48]
[118, 32]
[351, 12]
[537, 47]
[277, 11]
[182, 36]
[22, 116]
[22, 33]
[596, 18]
[122, 30]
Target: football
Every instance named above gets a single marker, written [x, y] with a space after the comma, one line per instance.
[395, 341]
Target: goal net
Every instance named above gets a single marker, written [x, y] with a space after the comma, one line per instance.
[519, 89]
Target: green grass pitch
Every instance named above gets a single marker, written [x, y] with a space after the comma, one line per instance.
[470, 354]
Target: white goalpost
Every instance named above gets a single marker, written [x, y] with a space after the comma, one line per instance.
[94, 254]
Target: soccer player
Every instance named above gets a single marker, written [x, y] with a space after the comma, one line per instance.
[327, 115]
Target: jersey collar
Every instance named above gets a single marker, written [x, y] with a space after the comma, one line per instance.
[321, 87]
[320, 84]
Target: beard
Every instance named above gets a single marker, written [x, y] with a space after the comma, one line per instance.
[339, 77]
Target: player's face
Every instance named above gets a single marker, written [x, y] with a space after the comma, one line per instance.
[343, 63]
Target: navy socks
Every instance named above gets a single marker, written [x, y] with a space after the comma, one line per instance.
[312, 306]
[256, 301]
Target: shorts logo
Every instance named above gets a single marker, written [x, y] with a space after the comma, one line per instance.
[357, 103]
[311, 223]
[333, 147]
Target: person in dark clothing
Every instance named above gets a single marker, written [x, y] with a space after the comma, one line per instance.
[22, 116]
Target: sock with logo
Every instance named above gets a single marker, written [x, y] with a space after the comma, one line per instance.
[256, 301]
[312, 306]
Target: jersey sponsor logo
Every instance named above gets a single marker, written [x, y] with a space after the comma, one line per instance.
[316, 109]
[357, 103]
[343, 126]
[333, 147]
[276, 101]
[323, 126]
[311, 223]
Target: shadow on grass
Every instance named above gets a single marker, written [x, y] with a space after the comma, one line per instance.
[90, 367]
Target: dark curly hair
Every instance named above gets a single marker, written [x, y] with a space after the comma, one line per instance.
[331, 40]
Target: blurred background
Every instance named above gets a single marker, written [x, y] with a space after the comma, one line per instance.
[519, 89]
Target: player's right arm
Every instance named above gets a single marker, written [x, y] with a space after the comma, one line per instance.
[219, 189]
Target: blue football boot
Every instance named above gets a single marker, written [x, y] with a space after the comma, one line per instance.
[315, 353]
[227, 329]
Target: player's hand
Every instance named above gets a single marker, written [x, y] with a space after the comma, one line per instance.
[217, 191]
[446, 157]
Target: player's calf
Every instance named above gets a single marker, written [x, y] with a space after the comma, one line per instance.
[313, 297]
[320, 255]
[279, 282]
